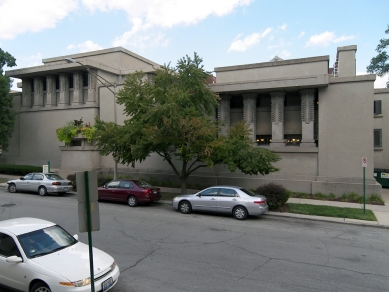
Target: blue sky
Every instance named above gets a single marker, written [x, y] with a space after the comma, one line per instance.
[222, 32]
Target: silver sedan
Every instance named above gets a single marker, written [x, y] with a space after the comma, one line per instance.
[223, 199]
[42, 183]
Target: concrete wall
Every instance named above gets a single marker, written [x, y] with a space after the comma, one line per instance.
[381, 121]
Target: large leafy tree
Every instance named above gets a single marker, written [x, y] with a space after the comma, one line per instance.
[7, 115]
[380, 63]
[172, 115]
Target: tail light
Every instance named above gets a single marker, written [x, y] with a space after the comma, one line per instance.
[70, 183]
[260, 202]
[56, 183]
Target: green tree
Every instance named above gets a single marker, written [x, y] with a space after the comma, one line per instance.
[172, 115]
[380, 63]
[7, 115]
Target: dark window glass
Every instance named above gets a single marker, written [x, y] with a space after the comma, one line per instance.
[227, 193]
[71, 81]
[28, 176]
[56, 82]
[264, 100]
[377, 138]
[8, 246]
[113, 184]
[75, 143]
[292, 139]
[263, 139]
[212, 192]
[142, 184]
[38, 177]
[292, 99]
[85, 79]
[377, 107]
[126, 185]
[44, 84]
[236, 101]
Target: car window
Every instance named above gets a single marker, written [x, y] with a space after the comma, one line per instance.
[38, 177]
[247, 192]
[113, 185]
[142, 184]
[8, 246]
[212, 192]
[227, 193]
[28, 176]
[126, 185]
[53, 176]
[45, 241]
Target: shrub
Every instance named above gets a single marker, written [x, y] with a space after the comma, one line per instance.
[351, 197]
[72, 178]
[102, 180]
[320, 196]
[301, 195]
[375, 199]
[19, 169]
[275, 194]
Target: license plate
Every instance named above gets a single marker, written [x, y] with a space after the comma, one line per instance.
[107, 284]
[154, 192]
[65, 189]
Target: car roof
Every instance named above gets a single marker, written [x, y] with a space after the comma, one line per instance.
[23, 225]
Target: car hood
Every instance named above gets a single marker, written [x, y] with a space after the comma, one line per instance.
[73, 262]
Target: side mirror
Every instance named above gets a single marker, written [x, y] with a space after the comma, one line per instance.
[75, 236]
[14, 259]
[199, 195]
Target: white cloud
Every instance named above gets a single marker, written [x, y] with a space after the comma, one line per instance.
[86, 46]
[380, 82]
[249, 41]
[283, 27]
[20, 16]
[301, 34]
[147, 14]
[285, 54]
[325, 39]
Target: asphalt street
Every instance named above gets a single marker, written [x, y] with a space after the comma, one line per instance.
[159, 249]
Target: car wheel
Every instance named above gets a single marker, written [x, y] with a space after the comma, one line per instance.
[40, 287]
[240, 213]
[12, 188]
[42, 191]
[132, 201]
[185, 207]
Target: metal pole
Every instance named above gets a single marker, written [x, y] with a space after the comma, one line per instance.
[364, 192]
[48, 163]
[88, 220]
[115, 167]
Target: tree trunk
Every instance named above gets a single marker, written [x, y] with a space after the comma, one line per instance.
[183, 186]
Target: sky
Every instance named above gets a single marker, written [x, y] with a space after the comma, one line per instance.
[221, 32]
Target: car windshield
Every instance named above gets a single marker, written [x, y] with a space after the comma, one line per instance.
[142, 184]
[250, 193]
[53, 176]
[45, 241]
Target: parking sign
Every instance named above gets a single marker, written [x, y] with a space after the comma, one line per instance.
[364, 161]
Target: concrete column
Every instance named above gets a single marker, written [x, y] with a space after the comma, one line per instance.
[223, 112]
[307, 117]
[92, 86]
[277, 118]
[26, 92]
[38, 92]
[51, 92]
[78, 91]
[249, 113]
[64, 97]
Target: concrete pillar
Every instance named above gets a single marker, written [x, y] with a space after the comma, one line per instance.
[51, 91]
[223, 112]
[249, 113]
[64, 96]
[78, 88]
[38, 91]
[26, 92]
[277, 118]
[92, 86]
[346, 61]
[307, 117]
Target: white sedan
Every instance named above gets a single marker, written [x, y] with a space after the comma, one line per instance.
[40, 256]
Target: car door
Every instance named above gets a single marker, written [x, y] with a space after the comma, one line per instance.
[11, 273]
[205, 200]
[35, 182]
[111, 191]
[228, 198]
[24, 184]
[124, 190]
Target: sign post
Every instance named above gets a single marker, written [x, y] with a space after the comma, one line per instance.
[364, 165]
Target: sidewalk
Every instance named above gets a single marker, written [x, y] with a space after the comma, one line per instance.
[380, 212]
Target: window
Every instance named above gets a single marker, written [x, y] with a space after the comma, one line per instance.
[8, 246]
[113, 185]
[377, 138]
[70, 80]
[227, 193]
[377, 107]
[28, 176]
[292, 139]
[38, 177]
[212, 192]
[126, 185]
[263, 139]
[85, 79]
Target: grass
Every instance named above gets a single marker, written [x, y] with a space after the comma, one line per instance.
[328, 211]
[3, 180]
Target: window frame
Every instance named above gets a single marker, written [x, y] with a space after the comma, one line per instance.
[380, 137]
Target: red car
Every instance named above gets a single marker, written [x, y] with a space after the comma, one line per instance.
[130, 191]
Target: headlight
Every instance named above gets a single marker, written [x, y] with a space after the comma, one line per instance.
[113, 266]
[79, 283]
[175, 199]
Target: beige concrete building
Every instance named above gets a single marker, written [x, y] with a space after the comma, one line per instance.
[318, 119]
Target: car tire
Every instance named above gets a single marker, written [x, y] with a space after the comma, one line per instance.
[240, 213]
[185, 207]
[132, 201]
[42, 191]
[40, 287]
[12, 188]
